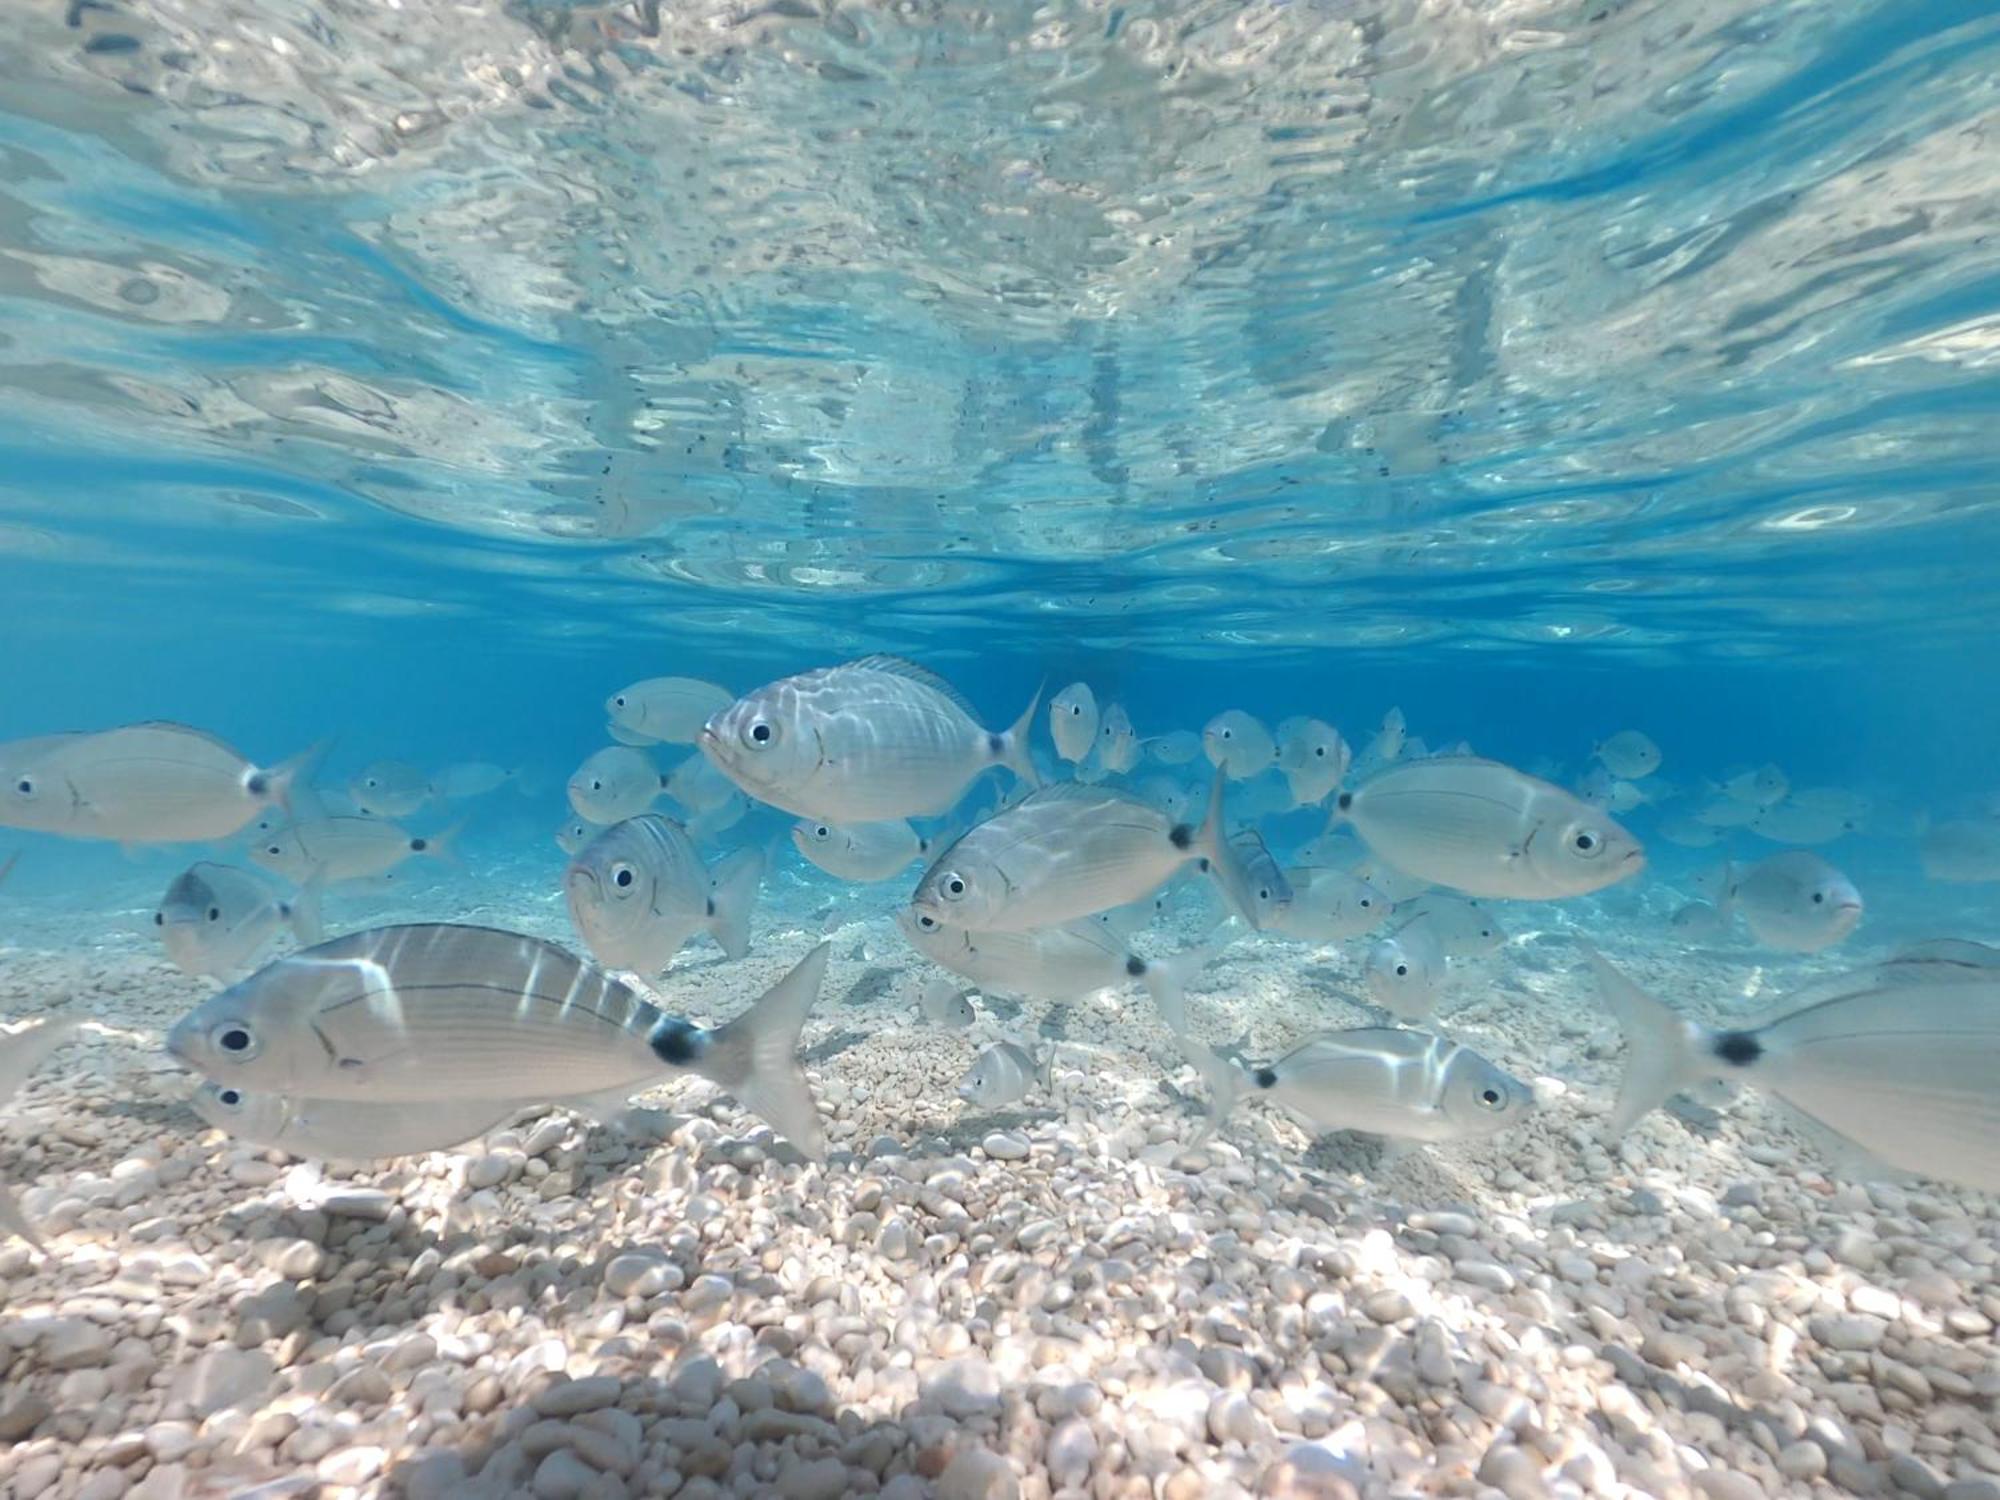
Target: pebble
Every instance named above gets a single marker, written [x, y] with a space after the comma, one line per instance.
[561, 1475]
[571, 1398]
[642, 1275]
[965, 1387]
[1072, 1449]
[1802, 1461]
[1003, 1146]
[822, 1479]
[976, 1474]
[1849, 1331]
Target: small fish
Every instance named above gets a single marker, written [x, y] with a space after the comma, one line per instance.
[214, 919]
[667, 710]
[150, 783]
[390, 789]
[1488, 830]
[1764, 787]
[23, 1050]
[574, 834]
[1175, 748]
[639, 890]
[860, 851]
[1383, 1080]
[1898, 1059]
[1002, 1075]
[711, 823]
[1117, 743]
[1464, 930]
[1313, 757]
[1404, 971]
[346, 1130]
[1331, 906]
[435, 1012]
[344, 848]
[944, 1005]
[870, 740]
[1796, 822]
[1964, 851]
[1239, 744]
[1601, 789]
[697, 786]
[1168, 795]
[1073, 721]
[1699, 920]
[1067, 851]
[474, 778]
[1688, 831]
[1264, 882]
[1386, 745]
[615, 783]
[1793, 900]
[1628, 755]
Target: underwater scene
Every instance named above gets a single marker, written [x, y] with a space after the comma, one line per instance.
[1103, 750]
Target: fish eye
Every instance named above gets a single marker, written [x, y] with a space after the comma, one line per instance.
[1263, 894]
[1076, 710]
[1586, 843]
[822, 832]
[1366, 903]
[1490, 1097]
[235, 1039]
[596, 786]
[759, 733]
[229, 1098]
[927, 923]
[1320, 751]
[274, 849]
[215, 914]
[619, 701]
[621, 876]
[1818, 897]
[954, 886]
[1225, 733]
[1402, 971]
[25, 786]
[159, 919]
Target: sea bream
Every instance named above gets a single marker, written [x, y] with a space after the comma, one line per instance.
[667, 710]
[390, 789]
[1489, 830]
[214, 919]
[613, 784]
[435, 1011]
[1067, 851]
[639, 891]
[1239, 744]
[1794, 900]
[1898, 1059]
[870, 740]
[330, 850]
[347, 1130]
[1073, 721]
[860, 851]
[1313, 757]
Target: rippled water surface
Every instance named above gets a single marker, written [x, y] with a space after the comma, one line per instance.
[1658, 326]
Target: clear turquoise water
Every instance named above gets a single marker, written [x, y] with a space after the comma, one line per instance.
[421, 378]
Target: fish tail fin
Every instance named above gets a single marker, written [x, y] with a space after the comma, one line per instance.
[1225, 1081]
[1664, 1052]
[1211, 843]
[303, 910]
[1725, 895]
[22, 1050]
[1167, 979]
[13, 1220]
[731, 895]
[755, 1057]
[1014, 749]
[289, 784]
[442, 845]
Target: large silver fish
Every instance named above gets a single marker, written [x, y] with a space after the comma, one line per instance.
[1900, 1059]
[1067, 851]
[214, 919]
[860, 851]
[1794, 900]
[639, 890]
[1117, 741]
[1488, 830]
[150, 783]
[21, 1052]
[347, 1130]
[436, 1011]
[870, 740]
[666, 709]
[1383, 1080]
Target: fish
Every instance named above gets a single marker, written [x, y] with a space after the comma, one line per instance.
[944, 1005]
[1069, 850]
[1168, 795]
[152, 783]
[1489, 830]
[668, 710]
[390, 789]
[1601, 789]
[639, 890]
[615, 783]
[1330, 906]
[1117, 742]
[1464, 930]
[1314, 759]
[437, 1011]
[339, 848]
[1764, 787]
[1387, 743]
[1699, 920]
[1794, 900]
[347, 1130]
[860, 851]
[1073, 721]
[1002, 1075]
[1264, 883]
[474, 778]
[23, 1050]
[1628, 755]
[1721, 810]
[711, 823]
[1898, 1059]
[1688, 831]
[214, 919]
[1175, 748]
[1058, 963]
[1405, 970]
[1796, 822]
[574, 834]
[1239, 744]
[698, 787]
[870, 740]
[1406, 1086]
[1962, 851]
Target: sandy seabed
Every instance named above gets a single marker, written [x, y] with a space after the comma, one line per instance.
[1073, 1297]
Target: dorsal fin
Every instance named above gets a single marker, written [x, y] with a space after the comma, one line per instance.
[896, 666]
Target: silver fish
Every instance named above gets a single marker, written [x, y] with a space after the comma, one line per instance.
[347, 1130]
[1464, 930]
[1067, 851]
[475, 778]
[1488, 830]
[697, 786]
[1073, 721]
[873, 739]
[1264, 883]
[1117, 742]
[1386, 1081]
[1331, 906]
[639, 890]
[1405, 970]
[434, 1011]
[1698, 920]
[1794, 900]
[1314, 759]
[214, 919]
[1175, 748]
[860, 851]
[390, 789]
[667, 709]
[150, 783]
[1239, 744]
[1764, 787]
[1964, 851]
[1001, 1075]
[334, 849]
[23, 1050]
[615, 783]
[943, 1004]
[1899, 1059]
[1628, 755]
[1795, 822]
[1387, 744]
[573, 835]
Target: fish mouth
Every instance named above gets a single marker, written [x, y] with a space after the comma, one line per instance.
[1848, 906]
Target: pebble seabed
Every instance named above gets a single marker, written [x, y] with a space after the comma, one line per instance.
[1073, 1298]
